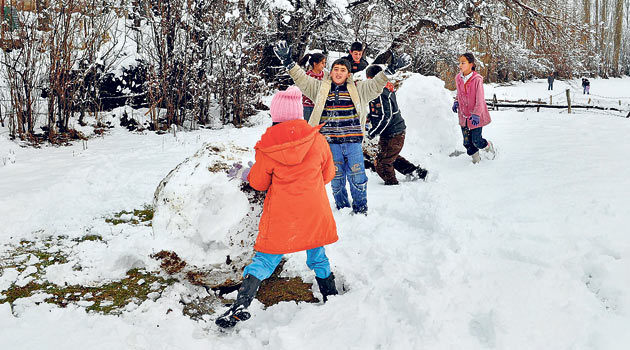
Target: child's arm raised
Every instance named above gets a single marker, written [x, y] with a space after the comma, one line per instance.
[307, 84]
[372, 88]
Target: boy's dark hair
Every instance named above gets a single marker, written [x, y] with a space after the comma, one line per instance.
[471, 59]
[343, 62]
[372, 71]
[312, 58]
[356, 46]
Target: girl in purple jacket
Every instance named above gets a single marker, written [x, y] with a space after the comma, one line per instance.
[471, 108]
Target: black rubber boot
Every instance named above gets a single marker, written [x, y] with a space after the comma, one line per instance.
[327, 286]
[238, 310]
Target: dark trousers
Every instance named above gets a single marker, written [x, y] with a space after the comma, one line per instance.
[550, 86]
[389, 159]
[473, 141]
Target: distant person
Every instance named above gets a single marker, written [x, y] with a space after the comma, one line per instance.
[550, 80]
[357, 62]
[293, 164]
[586, 84]
[388, 123]
[317, 63]
[471, 108]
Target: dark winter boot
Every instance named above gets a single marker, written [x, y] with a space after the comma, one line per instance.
[327, 286]
[417, 174]
[238, 310]
[420, 174]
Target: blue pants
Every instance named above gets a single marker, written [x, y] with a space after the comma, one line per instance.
[550, 86]
[307, 112]
[264, 264]
[473, 141]
[348, 158]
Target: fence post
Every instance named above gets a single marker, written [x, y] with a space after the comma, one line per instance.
[569, 99]
[550, 100]
[538, 108]
[494, 102]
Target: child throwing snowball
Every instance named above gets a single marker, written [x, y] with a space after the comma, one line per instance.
[471, 108]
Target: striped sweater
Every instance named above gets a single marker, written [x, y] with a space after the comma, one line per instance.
[342, 122]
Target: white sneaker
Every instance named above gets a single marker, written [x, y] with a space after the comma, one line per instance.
[476, 158]
[489, 152]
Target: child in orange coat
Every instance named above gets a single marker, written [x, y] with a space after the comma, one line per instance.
[293, 164]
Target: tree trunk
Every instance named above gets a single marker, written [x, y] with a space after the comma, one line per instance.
[617, 38]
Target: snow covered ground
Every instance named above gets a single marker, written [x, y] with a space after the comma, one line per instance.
[528, 251]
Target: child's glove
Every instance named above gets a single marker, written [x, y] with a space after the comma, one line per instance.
[455, 106]
[474, 120]
[283, 52]
[397, 63]
[238, 171]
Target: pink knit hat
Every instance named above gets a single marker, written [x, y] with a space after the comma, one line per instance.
[287, 105]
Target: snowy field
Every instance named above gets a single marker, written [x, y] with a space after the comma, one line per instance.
[527, 251]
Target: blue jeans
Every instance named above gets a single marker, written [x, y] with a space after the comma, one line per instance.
[348, 158]
[307, 112]
[264, 264]
[473, 141]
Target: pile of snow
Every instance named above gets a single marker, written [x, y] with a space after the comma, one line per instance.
[426, 107]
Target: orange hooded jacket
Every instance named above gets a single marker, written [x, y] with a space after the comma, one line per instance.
[293, 163]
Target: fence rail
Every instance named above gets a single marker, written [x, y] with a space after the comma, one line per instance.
[523, 103]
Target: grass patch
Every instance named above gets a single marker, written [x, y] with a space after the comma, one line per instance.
[110, 298]
[91, 238]
[142, 216]
[276, 289]
[30, 253]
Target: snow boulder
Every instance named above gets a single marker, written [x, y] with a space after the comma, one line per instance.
[202, 215]
[432, 127]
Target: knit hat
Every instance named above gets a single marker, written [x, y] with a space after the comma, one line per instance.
[287, 105]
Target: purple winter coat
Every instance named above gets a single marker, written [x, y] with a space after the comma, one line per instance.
[471, 101]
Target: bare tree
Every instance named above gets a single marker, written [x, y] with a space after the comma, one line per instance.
[22, 69]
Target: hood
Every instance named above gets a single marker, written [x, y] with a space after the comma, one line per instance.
[474, 76]
[288, 142]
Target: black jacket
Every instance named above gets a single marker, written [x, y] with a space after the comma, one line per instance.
[356, 67]
[385, 116]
